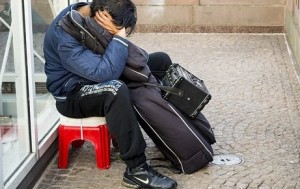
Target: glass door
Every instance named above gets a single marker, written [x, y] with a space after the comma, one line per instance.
[46, 117]
[14, 122]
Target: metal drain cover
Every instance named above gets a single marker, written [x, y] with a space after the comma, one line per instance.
[227, 160]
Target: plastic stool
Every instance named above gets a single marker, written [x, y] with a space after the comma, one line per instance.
[76, 131]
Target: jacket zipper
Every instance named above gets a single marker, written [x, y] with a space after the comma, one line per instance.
[86, 31]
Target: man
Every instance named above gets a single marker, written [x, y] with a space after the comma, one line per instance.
[87, 84]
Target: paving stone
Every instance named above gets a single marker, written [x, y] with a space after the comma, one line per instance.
[254, 112]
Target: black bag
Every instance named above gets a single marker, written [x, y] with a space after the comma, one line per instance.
[185, 142]
[194, 95]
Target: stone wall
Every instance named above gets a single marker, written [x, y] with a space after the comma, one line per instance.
[292, 27]
[211, 15]
[200, 15]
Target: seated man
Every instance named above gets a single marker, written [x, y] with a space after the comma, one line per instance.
[141, 74]
[87, 84]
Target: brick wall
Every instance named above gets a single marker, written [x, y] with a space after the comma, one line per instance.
[222, 14]
[200, 15]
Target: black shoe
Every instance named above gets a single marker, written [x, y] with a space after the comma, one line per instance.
[145, 176]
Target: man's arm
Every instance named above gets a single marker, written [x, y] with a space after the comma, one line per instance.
[85, 63]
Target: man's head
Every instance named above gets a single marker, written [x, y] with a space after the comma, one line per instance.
[123, 12]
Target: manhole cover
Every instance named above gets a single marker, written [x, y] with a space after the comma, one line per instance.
[227, 160]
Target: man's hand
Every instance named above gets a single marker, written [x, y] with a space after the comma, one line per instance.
[105, 20]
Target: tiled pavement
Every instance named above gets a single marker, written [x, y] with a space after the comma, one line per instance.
[254, 111]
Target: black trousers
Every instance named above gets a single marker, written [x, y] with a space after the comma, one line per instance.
[111, 99]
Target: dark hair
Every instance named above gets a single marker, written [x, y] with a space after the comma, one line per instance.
[123, 12]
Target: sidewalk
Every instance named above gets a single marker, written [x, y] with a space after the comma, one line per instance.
[254, 111]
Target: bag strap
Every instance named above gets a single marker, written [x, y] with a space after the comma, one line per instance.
[171, 90]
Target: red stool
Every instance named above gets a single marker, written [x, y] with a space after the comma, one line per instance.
[76, 131]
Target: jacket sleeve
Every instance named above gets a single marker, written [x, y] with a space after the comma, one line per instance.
[78, 59]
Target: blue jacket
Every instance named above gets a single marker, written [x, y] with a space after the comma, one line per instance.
[69, 63]
[86, 30]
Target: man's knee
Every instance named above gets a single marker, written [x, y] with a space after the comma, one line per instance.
[122, 90]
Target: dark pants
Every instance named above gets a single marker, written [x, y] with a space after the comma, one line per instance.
[111, 99]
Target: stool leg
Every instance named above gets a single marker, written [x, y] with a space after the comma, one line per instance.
[105, 146]
[63, 149]
[102, 148]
